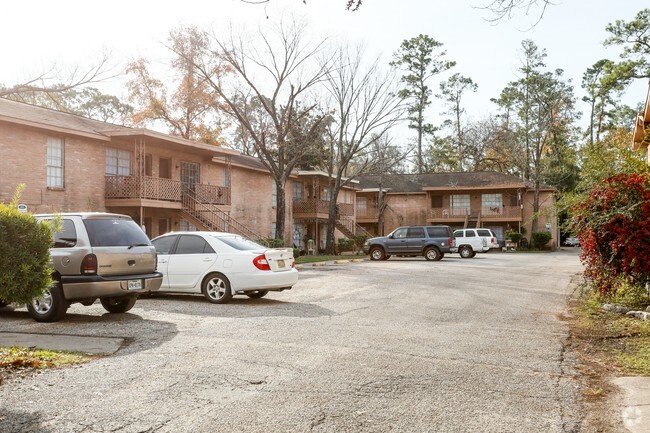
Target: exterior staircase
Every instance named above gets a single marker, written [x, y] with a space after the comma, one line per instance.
[349, 227]
[208, 216]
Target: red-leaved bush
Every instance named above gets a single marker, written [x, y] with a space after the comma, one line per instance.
[613, 225]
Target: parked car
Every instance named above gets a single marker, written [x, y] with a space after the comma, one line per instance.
[221, 265]
[432, 242]
[490, 239]
[96, 255]
[467, 243]
[572, 242]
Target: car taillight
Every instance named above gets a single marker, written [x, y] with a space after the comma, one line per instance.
[89, 265]
[261, 263]
[450, 241]
[492, 240]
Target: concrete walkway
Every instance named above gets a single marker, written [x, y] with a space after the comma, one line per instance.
[636, 403]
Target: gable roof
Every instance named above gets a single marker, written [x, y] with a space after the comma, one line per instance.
[44, 118]
[410, 183]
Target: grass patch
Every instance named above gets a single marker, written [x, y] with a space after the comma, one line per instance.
[312, 259]
[21, 361]
[622, 343]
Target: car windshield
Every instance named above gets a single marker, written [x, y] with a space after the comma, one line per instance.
[239, 243]
[115, 232]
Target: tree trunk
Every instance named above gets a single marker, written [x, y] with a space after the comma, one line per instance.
[280, 214]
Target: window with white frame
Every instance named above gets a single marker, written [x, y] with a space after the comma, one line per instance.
[274, 196]
[118, 162]
[55, 163]
[491, 204]
[298, 193]
[459, 204]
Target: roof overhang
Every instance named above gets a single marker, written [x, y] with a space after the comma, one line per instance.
[58, 129]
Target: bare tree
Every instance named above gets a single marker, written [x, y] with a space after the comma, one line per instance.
[502, 9]
[274, 69]
[364, 105]
[50, 82]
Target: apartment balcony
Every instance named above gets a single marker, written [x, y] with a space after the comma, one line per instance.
[158, 192]
[368, 215]
[493, 214]
[312, 209]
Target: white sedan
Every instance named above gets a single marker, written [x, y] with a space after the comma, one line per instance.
[221, 265]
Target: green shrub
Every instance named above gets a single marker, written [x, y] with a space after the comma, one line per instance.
[540, 239]
[628, 294]
[296, 253]
[345, 244]
[514, 236]
[25, 243]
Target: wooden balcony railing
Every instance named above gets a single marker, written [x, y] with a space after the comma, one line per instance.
[313, 206]
[486, 213]
[155, 188]
[371, 213]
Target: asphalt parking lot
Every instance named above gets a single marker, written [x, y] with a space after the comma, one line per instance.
[404, 345]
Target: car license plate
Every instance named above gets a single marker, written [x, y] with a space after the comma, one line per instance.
[280, 263]
[135, 285]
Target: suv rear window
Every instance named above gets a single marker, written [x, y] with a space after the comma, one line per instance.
[114, 232]
[484, 233]
[438, 232]
[415, 232]
[67, 237]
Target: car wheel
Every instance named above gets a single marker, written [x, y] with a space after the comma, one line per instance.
[51, 306]
[258, 294]
[466, 252]
[432, 254]
[376, 253]
[216, 289]
[118, 304]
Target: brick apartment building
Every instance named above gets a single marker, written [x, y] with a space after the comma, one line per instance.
[69, 164]
[479, 199]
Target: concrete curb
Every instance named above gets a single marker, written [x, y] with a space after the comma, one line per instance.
[67, 343]
[635, 411]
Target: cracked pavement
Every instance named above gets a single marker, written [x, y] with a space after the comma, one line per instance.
[460, 345]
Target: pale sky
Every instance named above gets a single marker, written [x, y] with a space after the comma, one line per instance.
[36, 33]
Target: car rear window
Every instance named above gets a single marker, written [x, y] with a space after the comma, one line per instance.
[115, 232]
[67, 236]
[415, 232]
[239, 243]
[484, 233]
[438, 232]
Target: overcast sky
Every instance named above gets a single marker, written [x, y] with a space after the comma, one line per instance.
[35, 34]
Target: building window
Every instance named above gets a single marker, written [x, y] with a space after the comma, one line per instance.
[297, 235]
[297, 191]
[55, 163]
[436, 201]
[274, 196]
[460, 204]
[491, 204]
[118, 162]
[185, 226]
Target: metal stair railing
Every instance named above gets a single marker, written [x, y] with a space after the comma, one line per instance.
[214, 219]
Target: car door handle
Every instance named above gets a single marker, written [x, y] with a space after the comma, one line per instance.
[162, 261]
[207, 259]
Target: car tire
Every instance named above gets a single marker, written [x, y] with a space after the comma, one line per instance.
[216, 288]
[118, 304]
[466, 252]
[473, 254]
[386, 257]
[51, 307]
[377, 253]
[432, 254]
[258, 294]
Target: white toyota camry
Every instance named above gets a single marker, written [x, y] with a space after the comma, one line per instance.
[221, 265]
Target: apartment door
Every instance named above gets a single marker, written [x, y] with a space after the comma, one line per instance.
[165, 168]
[189, 175]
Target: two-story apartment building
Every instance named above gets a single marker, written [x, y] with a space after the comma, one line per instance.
[479, 199]
[70, 163]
